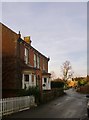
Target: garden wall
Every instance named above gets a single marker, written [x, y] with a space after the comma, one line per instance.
[52, 94]
[83, 89]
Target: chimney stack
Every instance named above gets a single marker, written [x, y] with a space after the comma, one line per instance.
[27, 40]
[19, 35]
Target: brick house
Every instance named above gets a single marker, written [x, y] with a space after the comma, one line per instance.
[22, 65]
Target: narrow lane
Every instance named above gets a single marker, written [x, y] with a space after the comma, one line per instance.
[71, 105]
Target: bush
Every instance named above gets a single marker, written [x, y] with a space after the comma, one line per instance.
[57, 84]
[30, 91]
[66, 87]
[82, 82]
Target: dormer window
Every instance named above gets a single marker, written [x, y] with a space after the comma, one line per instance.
[26, 56]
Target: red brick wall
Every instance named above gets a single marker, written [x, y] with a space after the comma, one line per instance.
[9, 39]
[31, 56]
[46, 64]
[9, 42]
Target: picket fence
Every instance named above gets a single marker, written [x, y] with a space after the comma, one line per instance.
[12, 105]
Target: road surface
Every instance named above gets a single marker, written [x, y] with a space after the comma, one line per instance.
[71, 105]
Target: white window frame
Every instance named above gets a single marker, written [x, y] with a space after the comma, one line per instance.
[47, 83]
[30, 82]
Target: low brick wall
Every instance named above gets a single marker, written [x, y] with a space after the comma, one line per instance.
[83, 89]
[52, 94]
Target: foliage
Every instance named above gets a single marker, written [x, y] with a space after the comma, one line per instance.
[82, 82]
[66, 87]
[35, 91]
[57, 84]
[30, 91]
[78, 78]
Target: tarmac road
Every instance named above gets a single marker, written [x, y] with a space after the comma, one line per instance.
[71, 105]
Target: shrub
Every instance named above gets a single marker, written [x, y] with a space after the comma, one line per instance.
[57, 84]
[30, 91]
[82, 82]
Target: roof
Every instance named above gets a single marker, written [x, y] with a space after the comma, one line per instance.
[45, 73]
[21, 40]
[8, 28]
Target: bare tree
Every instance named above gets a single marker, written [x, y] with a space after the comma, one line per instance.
[67, 70]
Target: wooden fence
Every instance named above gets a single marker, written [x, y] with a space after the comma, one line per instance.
[12, 105]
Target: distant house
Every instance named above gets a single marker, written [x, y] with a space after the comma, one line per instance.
[22, 65]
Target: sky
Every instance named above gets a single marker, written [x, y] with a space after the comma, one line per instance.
[57, 29]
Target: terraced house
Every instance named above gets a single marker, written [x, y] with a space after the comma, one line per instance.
[22, 65]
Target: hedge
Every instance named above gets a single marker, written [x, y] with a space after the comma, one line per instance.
[57, 84]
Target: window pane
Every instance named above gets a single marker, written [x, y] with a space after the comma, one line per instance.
[34, 60]
[26, 55]
[45, 80]
[32, 78]
[34, 57]
[26, 77]
[38, 62]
